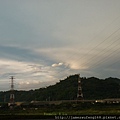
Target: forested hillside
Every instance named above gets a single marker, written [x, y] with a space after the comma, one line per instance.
[92, 88]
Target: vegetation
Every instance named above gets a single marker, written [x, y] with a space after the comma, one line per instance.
[92, 88]
[65, 109]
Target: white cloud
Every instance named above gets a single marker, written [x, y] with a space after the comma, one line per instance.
[56, 65]
[76, 65]
[25, 73]
[71, 57]
[61, 33]
[15, 66]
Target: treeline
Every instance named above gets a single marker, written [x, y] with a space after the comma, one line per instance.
[92, 88]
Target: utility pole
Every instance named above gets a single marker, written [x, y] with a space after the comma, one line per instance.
[79, 94]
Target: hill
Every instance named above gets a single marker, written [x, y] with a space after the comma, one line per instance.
[92, 88]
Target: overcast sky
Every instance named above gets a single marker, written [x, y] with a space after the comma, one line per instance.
[43, 41]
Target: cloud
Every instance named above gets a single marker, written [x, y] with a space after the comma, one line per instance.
[56, 65]
[45, 41]
[70, 56]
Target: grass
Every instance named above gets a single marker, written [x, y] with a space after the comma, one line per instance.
[78, 109]
[61, 112]
[44, 113]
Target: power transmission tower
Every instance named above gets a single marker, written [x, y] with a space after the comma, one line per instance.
[79, 94]
[12, 96]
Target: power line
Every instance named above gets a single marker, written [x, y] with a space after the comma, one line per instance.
[103, 53]
[98, 45]
[99, 34]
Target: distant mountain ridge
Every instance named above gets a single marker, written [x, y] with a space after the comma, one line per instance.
[92, 88]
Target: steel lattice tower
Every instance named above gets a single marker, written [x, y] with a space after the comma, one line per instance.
[79, 94]
[12, 97]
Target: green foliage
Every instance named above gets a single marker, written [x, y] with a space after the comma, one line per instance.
[66, 109]
[92, 88]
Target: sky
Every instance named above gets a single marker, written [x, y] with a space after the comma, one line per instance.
[44, 41]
